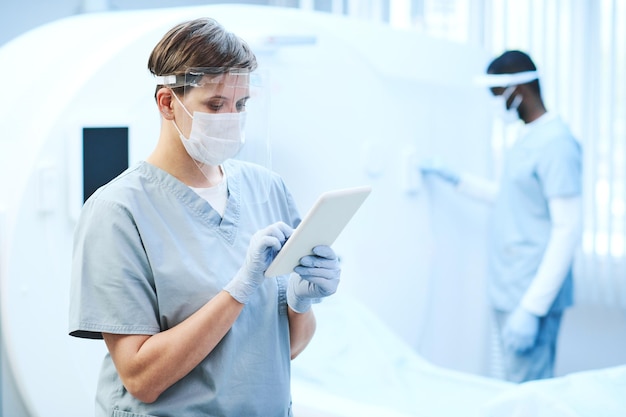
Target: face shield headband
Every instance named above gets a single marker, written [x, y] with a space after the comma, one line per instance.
[506, 80]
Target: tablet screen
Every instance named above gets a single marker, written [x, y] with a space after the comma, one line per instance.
[321, 226]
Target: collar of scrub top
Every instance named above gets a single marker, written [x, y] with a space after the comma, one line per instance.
[506, 80]
[545, 118]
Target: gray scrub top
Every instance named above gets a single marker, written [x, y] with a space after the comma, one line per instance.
[148, 253]
[544, 163]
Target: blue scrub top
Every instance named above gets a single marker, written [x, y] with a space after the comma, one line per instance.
[148, 253]
[544, 163]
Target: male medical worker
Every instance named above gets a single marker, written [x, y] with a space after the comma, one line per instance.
[536, 221]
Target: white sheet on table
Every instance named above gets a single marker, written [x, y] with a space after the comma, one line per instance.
[356, 359]
[595, 393]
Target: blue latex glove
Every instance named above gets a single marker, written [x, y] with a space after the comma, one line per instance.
[316, 277]
[262, 250]
[520, 331]
[435, 167]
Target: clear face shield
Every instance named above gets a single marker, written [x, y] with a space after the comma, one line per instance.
[225, 116]
[504, 107]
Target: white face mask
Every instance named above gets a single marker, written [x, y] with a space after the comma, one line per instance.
[214, 137]
[510, 114]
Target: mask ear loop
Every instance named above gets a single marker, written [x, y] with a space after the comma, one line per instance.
[517, 100]
[184, 108]
[508, 91]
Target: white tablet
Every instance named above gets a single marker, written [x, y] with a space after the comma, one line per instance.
[321, 226]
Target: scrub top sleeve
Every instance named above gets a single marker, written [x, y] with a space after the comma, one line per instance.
[112, 289]
[560, 168]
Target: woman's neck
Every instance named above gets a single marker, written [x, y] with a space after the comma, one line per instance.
[171, 156]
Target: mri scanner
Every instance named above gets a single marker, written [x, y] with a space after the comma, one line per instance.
[352, 103]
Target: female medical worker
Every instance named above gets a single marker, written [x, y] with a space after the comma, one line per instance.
[536, 221]
[173, 281]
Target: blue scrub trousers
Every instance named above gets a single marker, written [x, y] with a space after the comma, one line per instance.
[538, 362]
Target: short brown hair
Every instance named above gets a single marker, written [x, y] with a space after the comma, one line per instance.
[199, 43]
